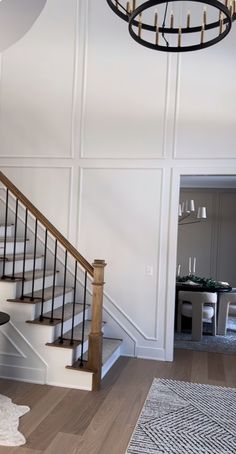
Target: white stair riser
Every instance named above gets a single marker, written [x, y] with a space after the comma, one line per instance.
[68, 324]
[57, 358]
[48, 304]
[51, 332]
[58, 375]
[19, 265]
[10, 247]
[37, 285]
[20, 312]
[113, 358]
[10, 230]
[77, 351]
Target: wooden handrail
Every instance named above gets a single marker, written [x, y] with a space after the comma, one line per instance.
[45, 222]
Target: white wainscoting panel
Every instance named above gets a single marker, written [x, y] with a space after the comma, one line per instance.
[37, 86]
[206, 116]
[226, 269]
[120, 221]
[48, 188]
[124, 114]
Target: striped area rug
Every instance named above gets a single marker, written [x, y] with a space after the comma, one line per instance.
[186, 418]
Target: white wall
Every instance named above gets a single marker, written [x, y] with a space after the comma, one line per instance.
[213, 241]
[101, 128]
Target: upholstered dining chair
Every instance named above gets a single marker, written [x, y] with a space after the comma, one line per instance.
[227, 307]
[201, 307]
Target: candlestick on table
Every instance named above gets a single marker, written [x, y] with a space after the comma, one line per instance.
[189, 265]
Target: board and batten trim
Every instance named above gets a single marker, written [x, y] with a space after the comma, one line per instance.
[108, 297]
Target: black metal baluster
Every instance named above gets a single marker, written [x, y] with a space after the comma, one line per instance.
[73, 312]
[5, 236]
[15, 233]
[34, 262]
[44, 273]
[83, 322]
[24, 255]
[63, 301]
[54, 281]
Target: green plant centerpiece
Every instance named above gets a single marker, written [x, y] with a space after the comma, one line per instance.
[204, 281]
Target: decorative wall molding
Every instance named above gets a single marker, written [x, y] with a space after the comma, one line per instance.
[70, 195]
[176, 107]
[26, 363]
[82, 79]
[18, 352]
[130, 327]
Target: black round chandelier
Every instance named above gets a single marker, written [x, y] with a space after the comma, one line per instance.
[178, 25]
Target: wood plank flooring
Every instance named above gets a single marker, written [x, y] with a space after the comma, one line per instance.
[68, 421]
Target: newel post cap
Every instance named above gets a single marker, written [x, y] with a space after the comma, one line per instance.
[99, 263]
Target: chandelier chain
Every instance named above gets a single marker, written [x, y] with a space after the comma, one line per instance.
[164, 24]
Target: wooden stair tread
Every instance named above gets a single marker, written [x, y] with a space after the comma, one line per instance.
[57, 315]
[8, 225]
[77, 336]
[11, 239]
[18, 257]
[109, 347]
[47, 294]
[29, 275]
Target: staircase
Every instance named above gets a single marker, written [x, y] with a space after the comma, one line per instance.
[56, 334]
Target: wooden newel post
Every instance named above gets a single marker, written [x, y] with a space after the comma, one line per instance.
[95, 336]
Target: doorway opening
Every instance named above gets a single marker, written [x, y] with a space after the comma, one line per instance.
[205, 304]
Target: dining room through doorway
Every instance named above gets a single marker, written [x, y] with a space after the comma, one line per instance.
[207, 250]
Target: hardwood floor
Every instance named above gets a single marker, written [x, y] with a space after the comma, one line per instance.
[68, 421]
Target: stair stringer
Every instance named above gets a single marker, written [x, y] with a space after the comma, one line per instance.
[49, 363]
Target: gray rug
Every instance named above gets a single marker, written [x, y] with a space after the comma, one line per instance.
[217, 344]
[186, 418]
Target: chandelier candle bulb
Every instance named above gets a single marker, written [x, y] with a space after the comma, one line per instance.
[202, 33]
[134, 5]
[140, 26]
[171, 20]
[155, 19]
[188, 19]
[221, 25]
[231, 9]
[194, 265]
[128, 8]
[179, 37]
[204, 17]
[157, 36]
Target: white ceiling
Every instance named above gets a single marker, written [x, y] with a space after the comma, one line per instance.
[208, 181]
